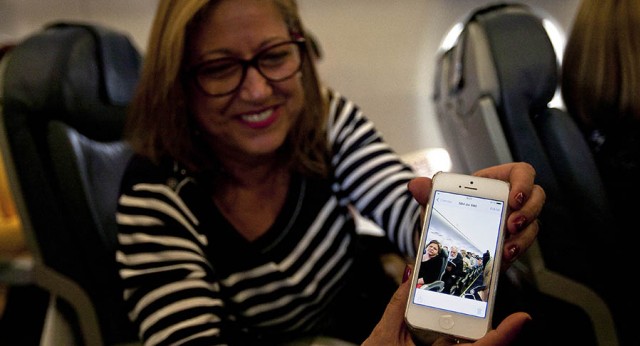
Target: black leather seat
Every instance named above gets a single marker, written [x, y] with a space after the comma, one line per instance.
[64, 91]
[493, 90]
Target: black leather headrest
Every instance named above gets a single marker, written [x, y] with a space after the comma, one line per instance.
[524, 56]
[88, 82]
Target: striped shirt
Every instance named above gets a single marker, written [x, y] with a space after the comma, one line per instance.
[190, 278]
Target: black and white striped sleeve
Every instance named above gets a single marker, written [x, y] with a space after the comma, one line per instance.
[370, 175]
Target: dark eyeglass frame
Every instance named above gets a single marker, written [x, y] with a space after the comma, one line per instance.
[298, 40]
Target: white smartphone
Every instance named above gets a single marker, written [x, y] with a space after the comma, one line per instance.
[455, 275]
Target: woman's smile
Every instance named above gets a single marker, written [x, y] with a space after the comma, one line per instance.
[260, 119]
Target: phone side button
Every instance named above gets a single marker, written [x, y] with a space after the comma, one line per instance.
[446, 321]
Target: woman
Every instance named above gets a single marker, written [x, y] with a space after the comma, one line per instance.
[432, 263]
[234, 222]
[600, 87]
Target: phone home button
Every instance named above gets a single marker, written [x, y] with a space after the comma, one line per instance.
[446, 321]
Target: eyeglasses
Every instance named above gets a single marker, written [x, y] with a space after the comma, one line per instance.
[223, 76]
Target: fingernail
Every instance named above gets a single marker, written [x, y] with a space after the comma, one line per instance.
[512, 252]
[520, 198]
[520, 220]
[407, 274]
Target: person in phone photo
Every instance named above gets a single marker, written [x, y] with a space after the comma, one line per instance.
[234, 221]
[486, 280]
[454, 269]
[432, 265]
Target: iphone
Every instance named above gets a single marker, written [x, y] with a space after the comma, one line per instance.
[455, 275]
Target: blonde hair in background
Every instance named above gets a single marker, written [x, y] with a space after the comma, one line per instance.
[601, 63]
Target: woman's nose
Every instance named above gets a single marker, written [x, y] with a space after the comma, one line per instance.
[254, 86]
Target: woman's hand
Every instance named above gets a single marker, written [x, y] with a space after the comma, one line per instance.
[525, 203]
[392, 331]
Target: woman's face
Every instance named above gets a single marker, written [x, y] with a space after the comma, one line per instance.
[252, 122]
[432, 249]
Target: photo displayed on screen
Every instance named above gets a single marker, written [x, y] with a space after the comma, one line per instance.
[454, 273]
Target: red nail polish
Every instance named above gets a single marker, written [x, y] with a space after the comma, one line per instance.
[407, 274]
[520, 222]
[512, 252]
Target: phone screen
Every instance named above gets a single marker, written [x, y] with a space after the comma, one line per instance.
[455, 270]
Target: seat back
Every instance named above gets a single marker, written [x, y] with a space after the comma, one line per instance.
[492, 96]
[65, 90]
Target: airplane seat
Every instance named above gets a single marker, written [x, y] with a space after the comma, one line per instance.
[436, 286]
[64, 94]
[492, 94]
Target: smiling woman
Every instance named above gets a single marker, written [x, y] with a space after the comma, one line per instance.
[256, 176]
[235, 216]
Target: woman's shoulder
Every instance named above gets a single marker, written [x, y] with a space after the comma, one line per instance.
[343, 112]
[142, 170]
[338, 102]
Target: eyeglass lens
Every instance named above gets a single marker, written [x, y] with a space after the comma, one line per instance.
[223, 76]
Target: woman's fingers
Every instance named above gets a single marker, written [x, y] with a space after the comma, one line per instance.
[526, 200]
[420, 188]
[521, 177]
[523, 227]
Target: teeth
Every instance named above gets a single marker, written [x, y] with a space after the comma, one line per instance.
[257, 117]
